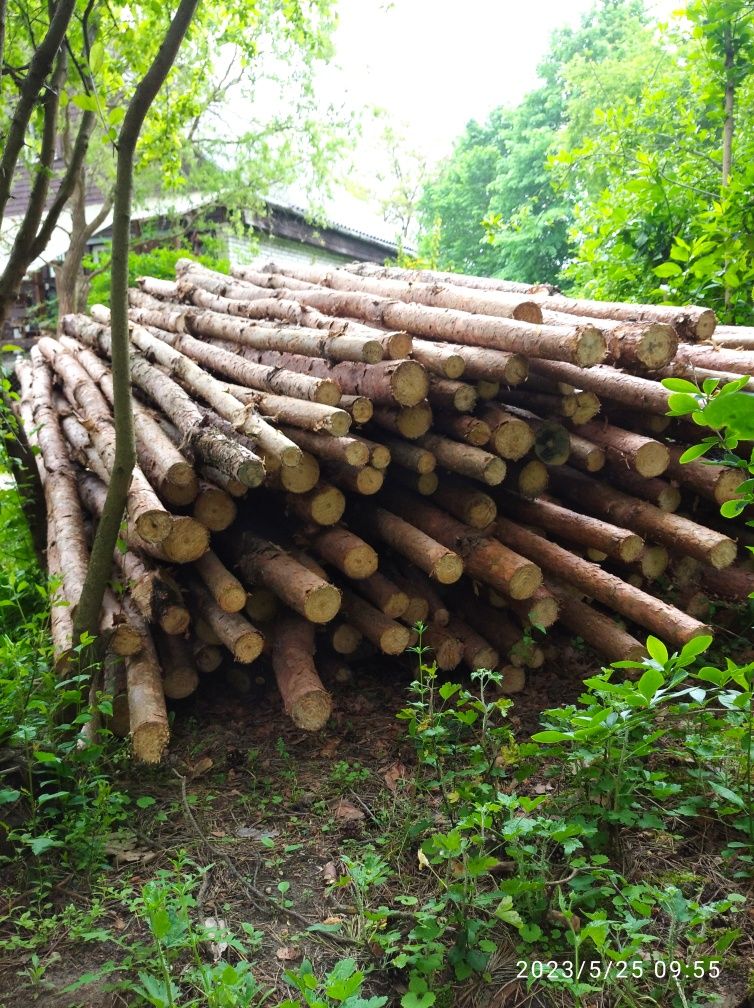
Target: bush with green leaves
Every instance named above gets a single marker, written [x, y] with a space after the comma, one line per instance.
[156, 262]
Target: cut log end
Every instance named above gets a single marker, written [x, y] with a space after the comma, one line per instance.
[448, 568]
[591, 347]
[524, 581]
[248, 646]
[312, 711]
[705, 324]
[651, 459]
[175, 620]
[513, 680]
[630, 548]
[322, 603]
[409, 383]
[360, 562]
[153, 526]
[722, 554]
[188, 540]
[394, 640]
[149, 742]
[327, 392]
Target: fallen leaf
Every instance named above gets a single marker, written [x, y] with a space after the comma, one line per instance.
[330, 873]
[289, 953]
[393, 774]
[345, 811]
[216, 927]
[333, 920]
[422, 859]
[201, 766]
[254, 833]
[330, 747]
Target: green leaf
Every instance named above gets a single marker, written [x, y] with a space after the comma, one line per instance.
[415, 999]
[85, 102]
[8, 796]
[667, 269]
[96, 56]
[447, 690]
[549, 737]
[650, 682]
[694, 452]
[657, 650]
[145, 801]
[42, 843]
[733, 508]
[680, 385]
[115, 115]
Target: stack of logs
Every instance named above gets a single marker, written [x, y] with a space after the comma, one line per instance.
[328, 457]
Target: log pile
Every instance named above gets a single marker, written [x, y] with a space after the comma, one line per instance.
[327, 457]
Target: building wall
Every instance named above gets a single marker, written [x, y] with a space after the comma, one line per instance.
[243, 250]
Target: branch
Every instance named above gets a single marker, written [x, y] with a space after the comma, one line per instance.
[39, 68]
[101, 559]
[3, 18]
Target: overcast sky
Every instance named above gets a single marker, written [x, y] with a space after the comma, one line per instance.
[433, 65]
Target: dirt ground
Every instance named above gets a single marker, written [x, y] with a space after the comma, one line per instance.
[257, 802]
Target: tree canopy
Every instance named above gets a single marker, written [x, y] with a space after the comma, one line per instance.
[626, 175]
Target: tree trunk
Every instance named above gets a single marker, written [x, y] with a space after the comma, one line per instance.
[430, 556]
[385, 594]
[468, 429]
[324, 504]
[125, 452]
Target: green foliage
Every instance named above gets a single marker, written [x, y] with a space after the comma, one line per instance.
[157, 262]
[341, 987]
[493, 201]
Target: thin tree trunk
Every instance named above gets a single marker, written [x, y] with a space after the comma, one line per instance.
[125, 451]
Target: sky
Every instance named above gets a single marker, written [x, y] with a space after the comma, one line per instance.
[433, 65]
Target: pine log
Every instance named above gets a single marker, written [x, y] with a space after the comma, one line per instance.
[296, 479]
[305, 699]
[324, 504]
[422, 483]
[179, 674]
[379, 454]
[204, 631]
[368, 269]
[698, 358]
[390, 637]
[552, 443]
[511, 436]
[486, 389]
[465, 460]
[351, 450]
[608, 382]
[214, 508]
[624, 448]
[715, 482]
[584, 345]
[478, 653]
[228, 483]
[365, 480]
[513, 680]
[598, 630]
[461, 427]
[402, 383]
[61, 623]
[692, 322]
[407, 421]
[457, 396]
[239, 636]
[446, 650]
[416, 584]
[530, 479]
[309, 416]
[490, 365]
[619, 543]
[735, 584]
[261, 605]
[429, 555]
[659, 492]
[114, 686]
[647, 345]
[503, 634]
[541, 610]
[359, 407]
[145, 510]
[587, 407]
[679, 534]
[304, 592]
[155, 594]
[207, 657]
[225, 588]
[60, 486]
[346, 552]
[496, 303]
[662, 619]
[213, 447]
[410, 455]
[148, 718]
[543, 403]
[417, 610]
[118, 628]
[438, 359]
[345, 639]
[385, 594]
[471, 506]
[588, 456]
[167, 470]
[651, 424]
[484, 559]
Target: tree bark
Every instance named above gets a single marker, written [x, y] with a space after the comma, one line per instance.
[662, 619]
[346, 552]
[390, 637]
[625, 449]
[598, 630]
[148, 718]
[715, 482]
[407, 421]
[239, 636]
[225, 588]
[471, 506]
[691, 322]
[305, 699]
[679, 534]
[455, 396]
[608, 382]
[262, 562]
[468, 429]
